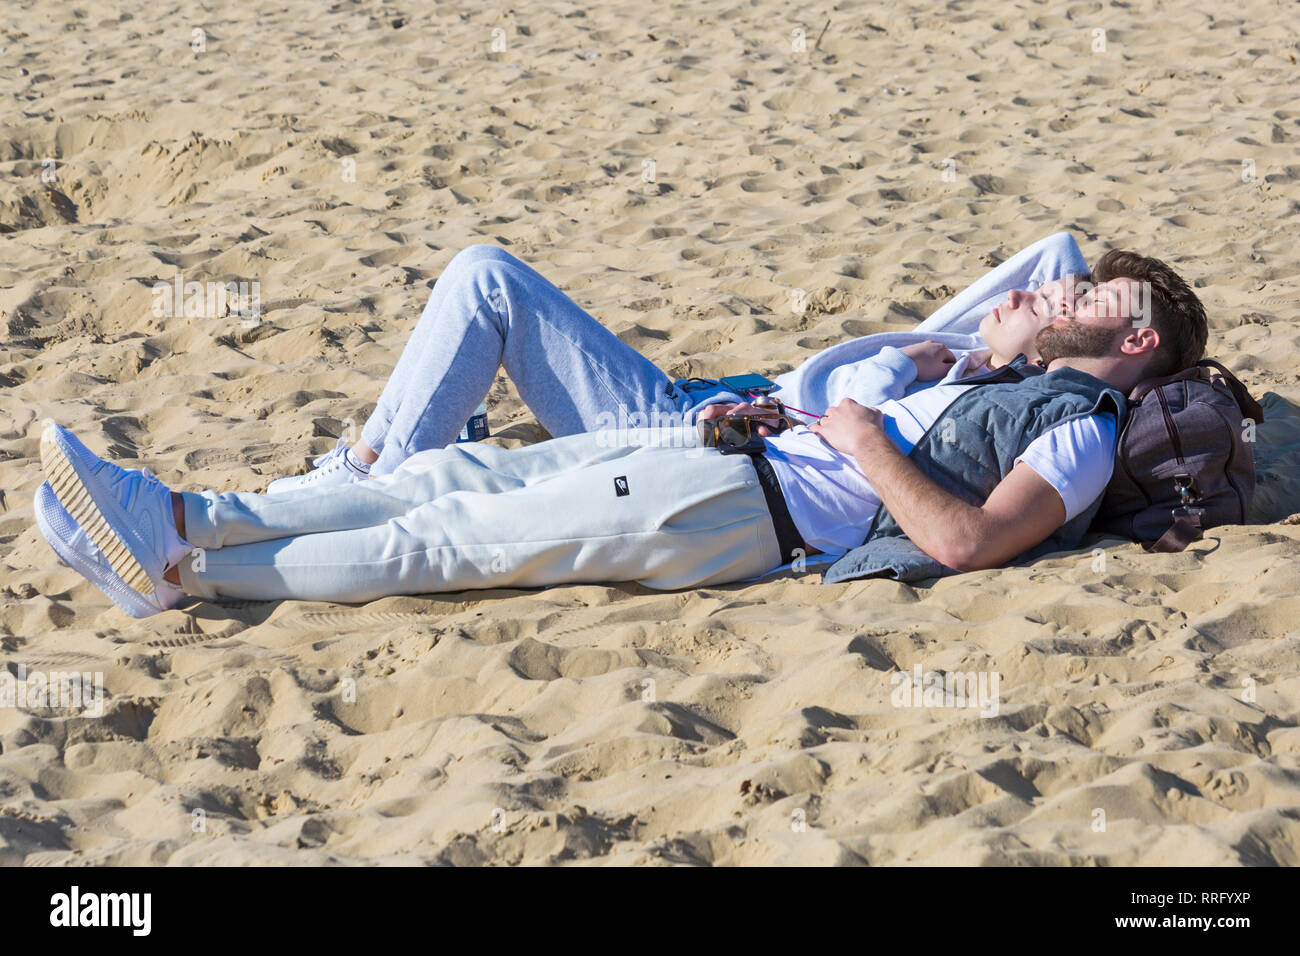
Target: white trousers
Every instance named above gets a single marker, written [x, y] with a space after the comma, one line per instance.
[584, 508]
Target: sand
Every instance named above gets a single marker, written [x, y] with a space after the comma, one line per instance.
[341, 153]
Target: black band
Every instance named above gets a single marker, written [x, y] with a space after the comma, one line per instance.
[787, 535]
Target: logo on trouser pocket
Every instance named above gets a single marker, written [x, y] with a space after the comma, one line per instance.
[620, 486]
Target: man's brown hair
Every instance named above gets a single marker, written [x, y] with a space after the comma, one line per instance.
[1176, 313]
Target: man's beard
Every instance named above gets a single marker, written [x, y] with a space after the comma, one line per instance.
[1073, 340]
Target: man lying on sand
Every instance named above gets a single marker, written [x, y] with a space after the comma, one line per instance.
[958, 476]
[489, 310]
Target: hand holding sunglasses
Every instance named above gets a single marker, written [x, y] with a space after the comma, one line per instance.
[744, 427]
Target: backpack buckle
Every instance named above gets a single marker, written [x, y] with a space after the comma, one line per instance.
[1187, 492]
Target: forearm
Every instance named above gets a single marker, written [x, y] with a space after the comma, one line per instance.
[944, 526]
[1019, 513]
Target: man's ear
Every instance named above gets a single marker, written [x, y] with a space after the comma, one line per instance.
[1143, 341]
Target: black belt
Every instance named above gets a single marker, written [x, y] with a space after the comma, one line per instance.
[787, 535]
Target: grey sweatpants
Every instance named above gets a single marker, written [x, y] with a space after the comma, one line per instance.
[585, 508]
[488, 311]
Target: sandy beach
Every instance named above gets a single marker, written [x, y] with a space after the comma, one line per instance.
[690, 173]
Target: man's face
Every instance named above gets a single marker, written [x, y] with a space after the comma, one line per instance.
[1102, 317]
[1119, 303]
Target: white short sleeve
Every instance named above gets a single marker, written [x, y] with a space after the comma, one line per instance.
[1075, 458]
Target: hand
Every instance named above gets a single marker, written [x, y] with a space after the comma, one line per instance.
[716, 410]
[851, 428]
[933, 361]
[743, 408]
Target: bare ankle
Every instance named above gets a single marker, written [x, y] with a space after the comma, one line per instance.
[178, 513]
[365, 453]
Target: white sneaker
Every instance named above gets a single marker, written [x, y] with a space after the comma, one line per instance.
[126, 514]
[338, 466]
[75, 549]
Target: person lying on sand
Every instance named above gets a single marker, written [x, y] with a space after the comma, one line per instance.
[489, 310]
[954, 477]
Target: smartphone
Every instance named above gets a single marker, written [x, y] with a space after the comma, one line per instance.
[744, 384]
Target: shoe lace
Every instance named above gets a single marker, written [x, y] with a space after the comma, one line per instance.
[319, 473]
[340, 447]
[326, 465]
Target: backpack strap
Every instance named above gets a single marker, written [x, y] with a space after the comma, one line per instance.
[1249, 407]
[1188, 525]
[1185, 529]
[1148, 385]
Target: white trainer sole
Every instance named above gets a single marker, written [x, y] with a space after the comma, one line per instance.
[53, 521]
[72, 493]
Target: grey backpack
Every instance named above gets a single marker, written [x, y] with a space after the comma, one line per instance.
[1184, 460]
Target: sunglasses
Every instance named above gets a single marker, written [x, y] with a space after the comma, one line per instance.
[741, 432]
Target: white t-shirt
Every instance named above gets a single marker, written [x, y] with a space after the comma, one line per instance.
[833, 505]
